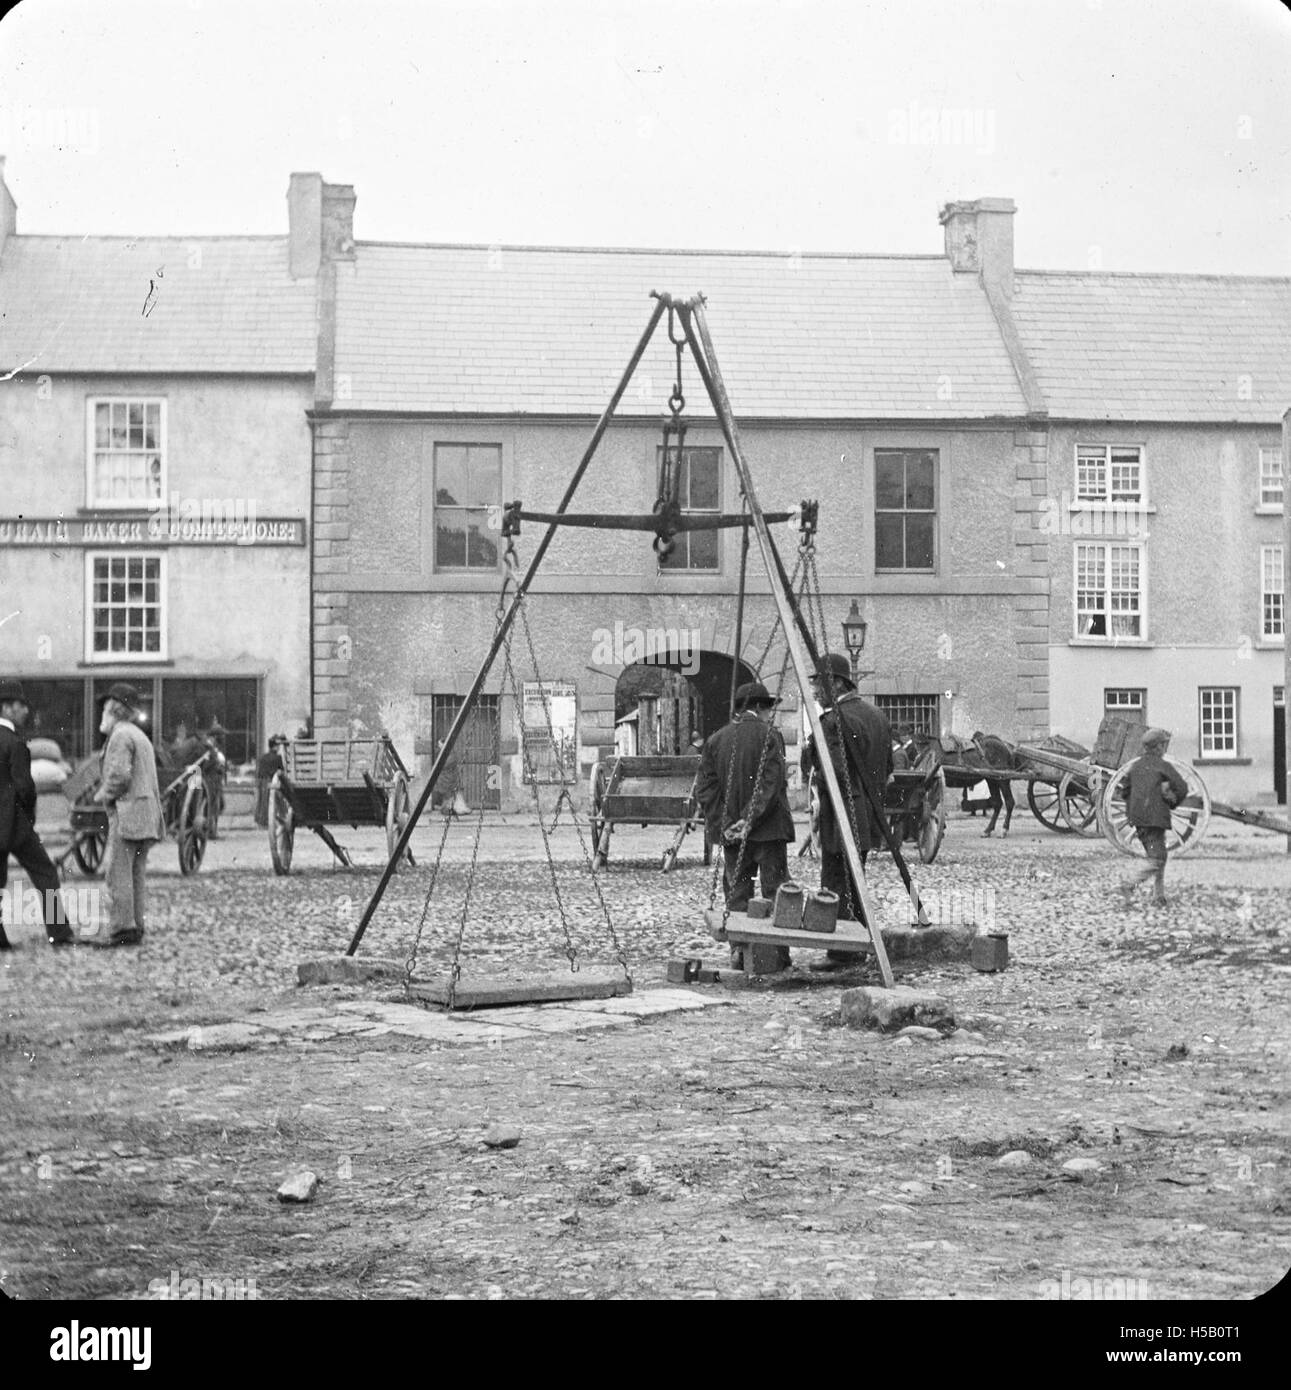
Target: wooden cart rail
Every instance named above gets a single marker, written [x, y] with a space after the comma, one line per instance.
[342, 760]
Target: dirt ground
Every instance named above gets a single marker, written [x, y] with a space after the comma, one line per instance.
[757, 1149]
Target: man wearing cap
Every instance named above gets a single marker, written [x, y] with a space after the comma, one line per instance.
[130, 792]
[742, 789]
[18, 820]
[866, 744]
[1154, 789]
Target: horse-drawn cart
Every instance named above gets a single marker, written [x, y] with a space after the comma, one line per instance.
[185, 804]
[657, 790]
[914, 802]
[327, 782]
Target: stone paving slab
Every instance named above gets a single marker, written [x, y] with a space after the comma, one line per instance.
[375, 1018]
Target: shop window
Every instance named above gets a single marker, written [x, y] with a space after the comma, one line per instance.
[58, 712]
[190, 705]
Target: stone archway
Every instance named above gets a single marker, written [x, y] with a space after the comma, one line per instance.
[675, 701]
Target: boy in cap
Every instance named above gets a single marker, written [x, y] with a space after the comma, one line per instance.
[130, 792]
[18, 819]
[742, 789]
[1154, 789]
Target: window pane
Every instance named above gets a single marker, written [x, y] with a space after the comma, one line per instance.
[703, 550]
[920, 482]
[450, 474]
[704, 490]
[918, 542]
[889, 480]
[482, 543]
[102, 426]
[484, 481]
[889, 547]
[450, 538]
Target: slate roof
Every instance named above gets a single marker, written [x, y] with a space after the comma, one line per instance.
[221, 304]
[472, 330]
[1157, 347]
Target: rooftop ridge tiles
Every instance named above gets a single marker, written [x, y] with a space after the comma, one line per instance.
[780, 254]
[1156, 275]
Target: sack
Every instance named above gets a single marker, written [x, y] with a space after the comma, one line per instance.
[1169, 795]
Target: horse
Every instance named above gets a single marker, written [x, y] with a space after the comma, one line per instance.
[984, 754]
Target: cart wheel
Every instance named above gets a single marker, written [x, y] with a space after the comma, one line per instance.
[194, 827]
[88, 850]
[1045, 801]
[398, 814]
[1079, 805]
[282, 829]
[932, 820]
[1188, 820]
[600, 831]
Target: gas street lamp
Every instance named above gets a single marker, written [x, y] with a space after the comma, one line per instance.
[854, 629]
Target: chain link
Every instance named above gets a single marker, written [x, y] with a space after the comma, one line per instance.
[411, 963]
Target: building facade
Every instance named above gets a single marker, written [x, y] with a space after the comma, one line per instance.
[155, 481]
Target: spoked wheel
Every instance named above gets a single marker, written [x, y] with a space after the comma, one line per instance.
[398, 813]
[88, 850]
[194, 828]
[1045, 801]
[1078, 798]
[600, 829]
[1188, 820]
[932, 820]
[282, 829]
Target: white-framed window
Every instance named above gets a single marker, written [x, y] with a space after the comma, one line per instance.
[1110, 473]
[1217, 720]
[1126, 702]
[125, 451]
[1110, 591]
[125, 606]
[1273, 612]
[468, 486]
[1272, 481]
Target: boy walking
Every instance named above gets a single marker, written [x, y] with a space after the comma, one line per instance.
[1155, 788]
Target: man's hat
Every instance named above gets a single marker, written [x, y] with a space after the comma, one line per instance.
[835, 664]
[12, 690]
[753, 693]
[123, 694]
[279, 738]
[1154, 738]
[217, 730]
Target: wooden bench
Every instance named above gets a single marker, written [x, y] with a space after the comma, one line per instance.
[743, 930]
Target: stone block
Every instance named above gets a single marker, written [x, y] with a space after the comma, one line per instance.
[341, 970]
[951, 942]
[889, 1010]
[300, 1187]
[761, 959]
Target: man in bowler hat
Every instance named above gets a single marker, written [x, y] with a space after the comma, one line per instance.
[742, 790]
[130, 792]
[859, 737]
[18, 819]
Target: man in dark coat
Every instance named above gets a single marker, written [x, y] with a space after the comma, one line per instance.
[18, 819]
[1154, 789]
[866, 743]
[735, 798]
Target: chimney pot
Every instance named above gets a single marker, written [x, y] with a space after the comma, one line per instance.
[304, 225]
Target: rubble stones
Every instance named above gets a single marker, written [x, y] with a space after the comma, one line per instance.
[889, 1010]
[502, 1137]
[300, 1187]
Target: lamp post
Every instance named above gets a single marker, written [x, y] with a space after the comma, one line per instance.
[854, 629]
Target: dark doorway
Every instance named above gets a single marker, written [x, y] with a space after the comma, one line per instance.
[1280, 743]
[676, 703]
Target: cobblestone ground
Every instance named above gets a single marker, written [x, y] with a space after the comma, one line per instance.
[753, 1150]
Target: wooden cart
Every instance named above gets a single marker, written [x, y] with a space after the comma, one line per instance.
[185, 804]
[658, 790]
[1120, 742]
[326, 782]
[914, 801]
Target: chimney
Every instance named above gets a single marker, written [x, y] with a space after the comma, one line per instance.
[338, 221]
[304, 224]
[979, 240]
[8, 210]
